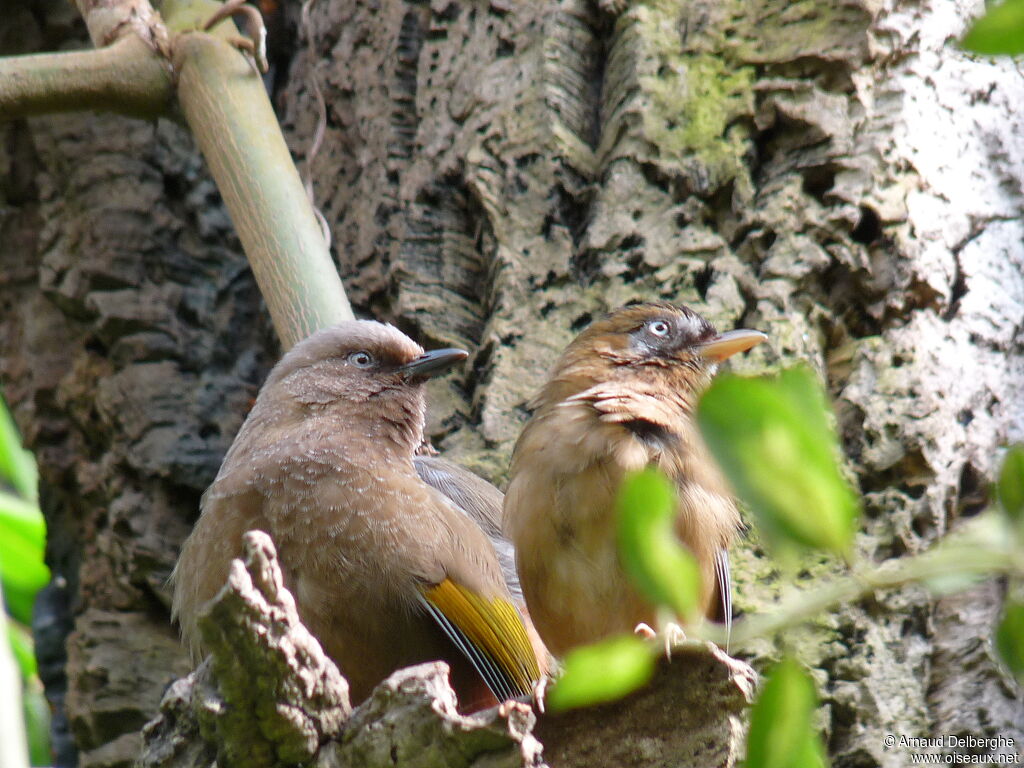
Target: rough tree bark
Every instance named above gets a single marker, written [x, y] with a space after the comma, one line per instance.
[496, 174]
[134, 339]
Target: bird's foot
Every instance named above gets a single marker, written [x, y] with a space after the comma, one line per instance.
[509, 706]
[252, 24]
[645, 631]
[673, 634]
[540, 691]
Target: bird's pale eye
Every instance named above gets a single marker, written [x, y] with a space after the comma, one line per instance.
[361, 359]
[658, 328]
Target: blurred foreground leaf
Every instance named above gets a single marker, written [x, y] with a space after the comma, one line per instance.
[999, 31]
[20, 640]
[602, 672]
[1010, 485]
[782, 733]
[22, 519]
[35, 708]
[1009, 639]
[17, 466]
[772, 438]
[22, 528]
[22, 574]
[663, 570]
[37, 724]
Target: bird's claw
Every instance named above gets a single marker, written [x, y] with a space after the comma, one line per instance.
[255, 44]
[645, 631]
[540, 691]
[673, 634]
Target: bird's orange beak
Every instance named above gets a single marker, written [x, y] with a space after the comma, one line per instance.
[727, 344]
[433, 363]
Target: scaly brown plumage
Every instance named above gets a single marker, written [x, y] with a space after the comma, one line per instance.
[386, 569]
[621, 398]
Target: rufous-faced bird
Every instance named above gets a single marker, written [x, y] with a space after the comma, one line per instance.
[621, 398]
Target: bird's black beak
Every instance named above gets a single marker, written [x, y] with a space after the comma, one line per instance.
[727, 344]
[433, 363]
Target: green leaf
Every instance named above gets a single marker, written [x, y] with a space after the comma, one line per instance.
[999, 31]
[602, 672]
[1010, 485]
[804, 391]
[37, 725]
[23, 519]
[773, 439]
[782, 734]
[23, 574]
[20, 640]
[1009, 639]
[17, 466]
[664, 571]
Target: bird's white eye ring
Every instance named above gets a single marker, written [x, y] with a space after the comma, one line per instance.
[361, 359]
[658, 327]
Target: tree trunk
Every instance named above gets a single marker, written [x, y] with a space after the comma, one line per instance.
[496, 175]
[134, 339]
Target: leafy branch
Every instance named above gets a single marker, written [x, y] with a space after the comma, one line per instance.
[22, 575]
[774, 439]
[982, 551]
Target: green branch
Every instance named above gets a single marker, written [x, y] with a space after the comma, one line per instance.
[128, 78]
[226, 106]
[977, 553]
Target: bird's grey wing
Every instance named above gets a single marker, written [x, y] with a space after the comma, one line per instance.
[474, 495]
[481, 502]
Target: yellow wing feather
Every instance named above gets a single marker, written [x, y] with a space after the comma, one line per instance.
[494, 627]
